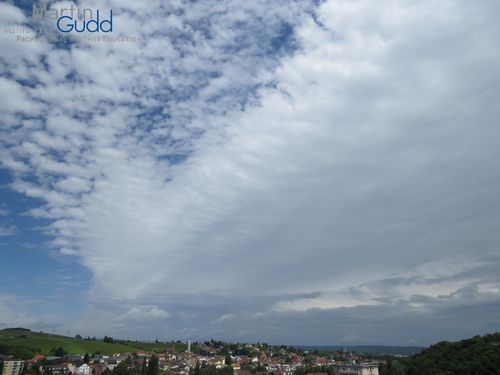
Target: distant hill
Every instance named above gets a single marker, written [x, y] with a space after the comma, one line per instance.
[478, 355]
[372, 349]
[24, 343]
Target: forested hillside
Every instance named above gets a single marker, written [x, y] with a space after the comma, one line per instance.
[479, 355]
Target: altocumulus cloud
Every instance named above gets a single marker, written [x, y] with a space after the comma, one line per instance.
[289, 172]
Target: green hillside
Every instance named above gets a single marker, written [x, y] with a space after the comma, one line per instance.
[476, 356]
[24, 343]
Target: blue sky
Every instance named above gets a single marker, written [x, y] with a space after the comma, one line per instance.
[30, 268]
[295, 172]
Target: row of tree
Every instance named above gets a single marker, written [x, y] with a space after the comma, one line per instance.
[205, 369]
[18, 352]
[151, 368]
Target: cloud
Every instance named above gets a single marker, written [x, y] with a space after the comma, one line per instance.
[317, 160]
[146, 313]
[223, 318]
[324, 302]
[459, 287]
[7, 230]
[15, 312]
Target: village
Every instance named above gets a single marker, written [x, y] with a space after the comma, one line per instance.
[246, 359]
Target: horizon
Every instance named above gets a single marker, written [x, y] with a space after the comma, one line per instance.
[195, 341]
[306, 171]
[356, 348]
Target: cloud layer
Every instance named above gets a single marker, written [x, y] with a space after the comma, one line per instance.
[316, 173]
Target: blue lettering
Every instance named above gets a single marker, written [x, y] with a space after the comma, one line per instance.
[68, 25]
[92, 26]
[110, 22]
[83, 27]
[96, 22]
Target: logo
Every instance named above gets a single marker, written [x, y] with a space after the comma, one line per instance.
[77, 20]
[67, 24]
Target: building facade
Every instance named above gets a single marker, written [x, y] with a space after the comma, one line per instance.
[84, 370]
[356, 369]
[12, 367]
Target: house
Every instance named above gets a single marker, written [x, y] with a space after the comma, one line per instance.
[53, 358]
[321, 361]
[236, 366]
[97, 368]
[12, 367]
[163, 364]
[356, 369]
[84, 370]
[111, 365]
[96, 359]
[59, 369]
[29, 364]
[73, 358]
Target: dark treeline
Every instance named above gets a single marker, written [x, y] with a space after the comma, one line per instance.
[205, 369]
[315, 369]
[147, 369]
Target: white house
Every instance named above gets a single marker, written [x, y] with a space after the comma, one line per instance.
[84, 370]
[72, 368]
[356, 369]
[12, 367]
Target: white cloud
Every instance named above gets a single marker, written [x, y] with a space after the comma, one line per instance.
[223, 318]
[7, 230]
[366, 154]
[14, 312]
[322, 303]
[145, 313]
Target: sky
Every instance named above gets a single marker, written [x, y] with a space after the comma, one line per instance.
[291, 172]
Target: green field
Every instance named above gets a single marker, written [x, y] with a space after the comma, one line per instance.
[43, 343]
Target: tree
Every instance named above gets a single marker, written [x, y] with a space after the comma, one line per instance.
[58, 352]
[21, 353]
[86, 358]
[121, 369]
[108, 339]
[228, 360]
[196, 370]
[153, 366]
[78, 337]
[227, 370]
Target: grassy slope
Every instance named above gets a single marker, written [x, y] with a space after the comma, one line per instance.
[43, 343]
